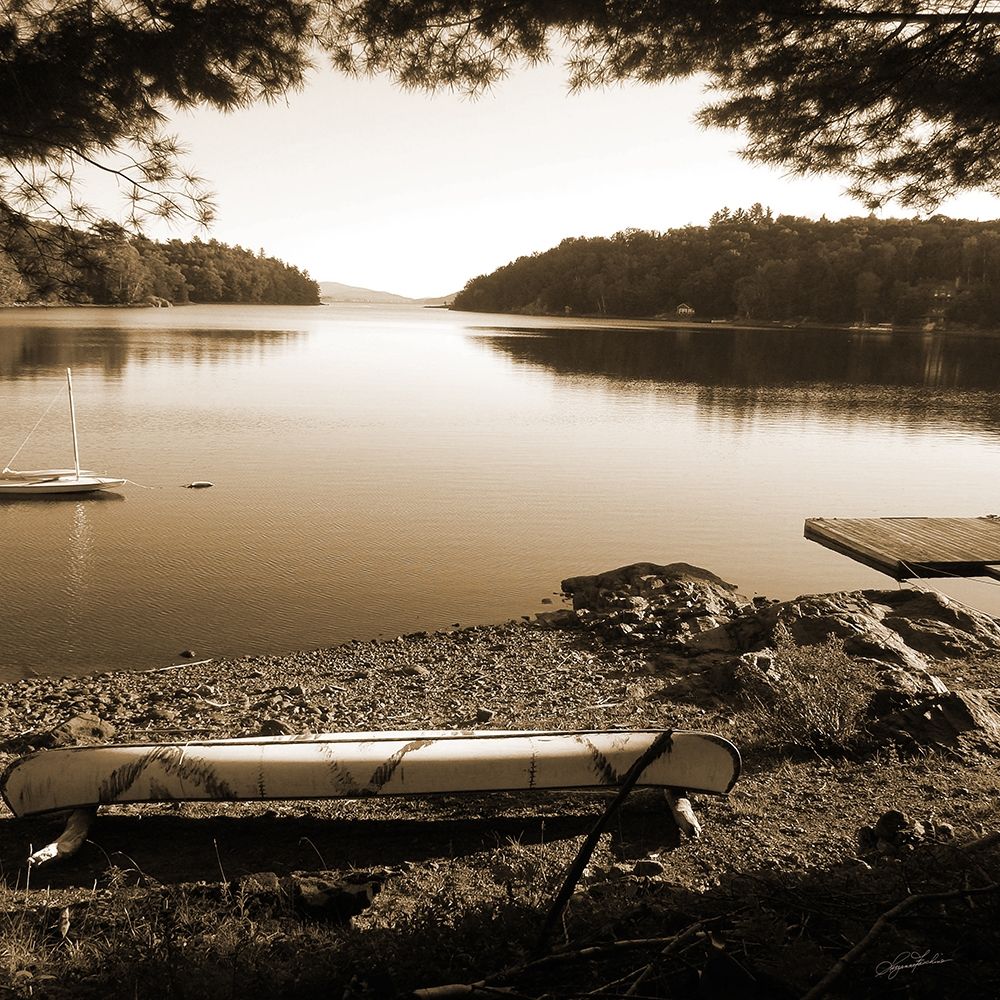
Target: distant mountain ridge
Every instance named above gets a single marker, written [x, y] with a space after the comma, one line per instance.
[334, 291]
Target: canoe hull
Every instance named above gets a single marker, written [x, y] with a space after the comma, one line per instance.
[355, 765]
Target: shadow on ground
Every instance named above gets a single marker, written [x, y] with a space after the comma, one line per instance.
[188, 848]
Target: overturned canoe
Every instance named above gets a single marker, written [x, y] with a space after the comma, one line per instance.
[354, 765]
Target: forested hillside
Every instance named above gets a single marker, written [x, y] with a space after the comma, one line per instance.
[108, 267]
[749, 265]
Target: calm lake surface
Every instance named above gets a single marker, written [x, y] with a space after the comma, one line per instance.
[381, 470]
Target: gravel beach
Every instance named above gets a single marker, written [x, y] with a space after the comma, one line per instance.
[515, 675]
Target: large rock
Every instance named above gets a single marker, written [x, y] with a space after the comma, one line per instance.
[649, 599]
[898, 628]
[935, 626]
[648, 580]
[956, 719]
[84, 729]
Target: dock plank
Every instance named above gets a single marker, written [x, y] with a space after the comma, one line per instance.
[913, 547]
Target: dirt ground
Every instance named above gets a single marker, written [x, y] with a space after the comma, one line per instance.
[181, 900]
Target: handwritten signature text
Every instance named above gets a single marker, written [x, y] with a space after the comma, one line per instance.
[908, 960]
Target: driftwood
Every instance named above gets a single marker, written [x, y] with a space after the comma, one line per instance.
[467, 990]
[175, 666]
[69, 841]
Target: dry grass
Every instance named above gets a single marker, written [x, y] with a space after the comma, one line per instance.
[436, 923]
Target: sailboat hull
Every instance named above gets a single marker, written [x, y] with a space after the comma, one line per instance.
[70, 483]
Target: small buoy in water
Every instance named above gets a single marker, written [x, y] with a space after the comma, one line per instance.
[198, 484]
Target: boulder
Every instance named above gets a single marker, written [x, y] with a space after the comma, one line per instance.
[899, 629]
[956, 719]
[649, 581]
[80, 730]
[902, 688]
[563, 618]
[676, 599]
[809, 621]
[934, 625]
[752, 674]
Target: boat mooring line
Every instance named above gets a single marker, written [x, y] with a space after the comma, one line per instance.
[951, 576]
[185, 486]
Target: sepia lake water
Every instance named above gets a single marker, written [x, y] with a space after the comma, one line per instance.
[381, 470]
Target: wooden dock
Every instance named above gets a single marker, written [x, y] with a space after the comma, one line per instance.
[914, 547]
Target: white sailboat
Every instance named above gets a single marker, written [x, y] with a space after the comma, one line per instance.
[39, 482]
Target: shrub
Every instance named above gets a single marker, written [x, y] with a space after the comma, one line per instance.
[811, 697]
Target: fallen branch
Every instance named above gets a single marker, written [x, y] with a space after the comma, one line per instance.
[69, 841]
[591, 951]
[467, 990]
[680, 939]
[656, 749]
[180, 729]
[924, 897]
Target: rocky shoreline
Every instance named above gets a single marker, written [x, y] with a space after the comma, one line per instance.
[899, 789]
[631, 633]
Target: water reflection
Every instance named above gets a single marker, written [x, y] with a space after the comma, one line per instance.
[28, 351]
[78, 570]
[905, 378]
[45, 499]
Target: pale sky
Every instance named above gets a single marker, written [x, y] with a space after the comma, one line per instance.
[357, 181]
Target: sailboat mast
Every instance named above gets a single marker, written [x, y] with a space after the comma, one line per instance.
[72, 420]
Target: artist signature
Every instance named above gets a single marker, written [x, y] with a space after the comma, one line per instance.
[908, 960]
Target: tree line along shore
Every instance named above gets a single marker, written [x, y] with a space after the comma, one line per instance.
[749, 265]
[106, 265]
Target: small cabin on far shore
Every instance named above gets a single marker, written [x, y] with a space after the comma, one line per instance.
[685, 310]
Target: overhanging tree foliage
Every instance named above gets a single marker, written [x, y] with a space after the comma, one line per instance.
[902, 97]
[93, 82]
